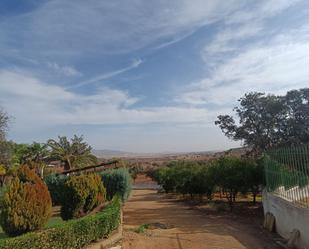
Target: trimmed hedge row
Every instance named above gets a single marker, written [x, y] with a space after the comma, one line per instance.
[73, 234]
[114, 180]
[117, 181]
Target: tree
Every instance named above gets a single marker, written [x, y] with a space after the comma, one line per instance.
[35, 155]
[4, 120]
[229, 174]
[73, 154]
[5, 147]
[296, 125]
[6, 153]
[6, 159]
[254, 176]
[268, 120]
[26, 205]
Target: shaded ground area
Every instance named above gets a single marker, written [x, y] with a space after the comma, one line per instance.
[176, 225]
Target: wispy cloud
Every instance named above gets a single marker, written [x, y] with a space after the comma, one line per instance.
[136, 63]
[78, 28]
[274, 61]
[55, 105]
[63, 70]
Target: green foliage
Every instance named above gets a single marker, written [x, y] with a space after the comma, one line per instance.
[74, 153]
[185, 177]
[230, 174]
[55, 183]
[73, 234]
[142, 228]
[6, 153]
[117, 181]
[31, 154]
[82, 194]
[134, 170]
[267, 121]
[26, 205]
[34, 155]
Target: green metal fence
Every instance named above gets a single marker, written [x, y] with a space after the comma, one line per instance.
[287, 173]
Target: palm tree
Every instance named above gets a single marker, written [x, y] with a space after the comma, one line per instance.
[35, 155]
[74, 153]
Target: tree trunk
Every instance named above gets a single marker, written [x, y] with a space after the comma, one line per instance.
[254, 198]
[67, 165]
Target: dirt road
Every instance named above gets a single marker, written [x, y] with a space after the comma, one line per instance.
[183, 227]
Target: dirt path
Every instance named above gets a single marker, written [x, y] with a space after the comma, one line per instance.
[187, 228]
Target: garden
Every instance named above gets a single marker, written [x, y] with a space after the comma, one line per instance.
[44, 209]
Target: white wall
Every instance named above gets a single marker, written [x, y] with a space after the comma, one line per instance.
[288, 217]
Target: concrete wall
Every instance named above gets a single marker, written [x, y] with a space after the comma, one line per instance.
[288, 217]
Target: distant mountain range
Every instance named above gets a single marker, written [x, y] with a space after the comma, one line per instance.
[111, 153]
[108, 154]
[117, 153]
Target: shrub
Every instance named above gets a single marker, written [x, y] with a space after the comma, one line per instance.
[73, 234]
[117, 181]
[26, 205]
[55, 184]
[82, 194]
[185, 177]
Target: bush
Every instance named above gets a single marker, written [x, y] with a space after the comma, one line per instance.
[82, 194]
[73, 234]
[117, 181]
[55, 184]
[26, 205]
[185, 177]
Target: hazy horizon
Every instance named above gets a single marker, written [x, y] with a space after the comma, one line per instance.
[141, 76]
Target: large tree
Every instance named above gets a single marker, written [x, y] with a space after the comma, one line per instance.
[264, 121]
[74, 154]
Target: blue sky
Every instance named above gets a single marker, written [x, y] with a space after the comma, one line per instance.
[144, 76]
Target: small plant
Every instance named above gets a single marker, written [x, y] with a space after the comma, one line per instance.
[142, 228]
[26, 205]
[82, 194]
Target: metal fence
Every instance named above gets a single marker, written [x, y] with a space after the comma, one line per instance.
[287, 173]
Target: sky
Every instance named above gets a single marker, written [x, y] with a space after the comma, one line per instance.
[144, 76]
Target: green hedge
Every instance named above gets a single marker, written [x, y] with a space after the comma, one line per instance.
[55, 183]
[73, 234]
[117, 181]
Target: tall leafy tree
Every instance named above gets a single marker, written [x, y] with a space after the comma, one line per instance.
[264, 121]
[73, 153]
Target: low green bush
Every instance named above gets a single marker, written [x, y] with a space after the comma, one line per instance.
[73, 234]
[55, 183]
[82, 193]
[117, 181]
